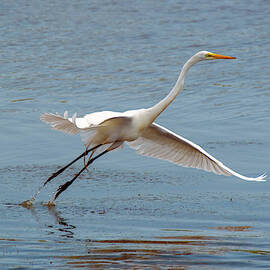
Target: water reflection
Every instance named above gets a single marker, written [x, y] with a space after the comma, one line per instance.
[65, 228]
[172, 252]
[227, 246]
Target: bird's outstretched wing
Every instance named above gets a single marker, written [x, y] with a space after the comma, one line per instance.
[159, 142]
[62, 123]
[104, 130]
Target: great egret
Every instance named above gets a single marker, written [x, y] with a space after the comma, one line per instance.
[109, 130]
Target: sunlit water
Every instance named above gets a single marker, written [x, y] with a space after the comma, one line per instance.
[130, 211]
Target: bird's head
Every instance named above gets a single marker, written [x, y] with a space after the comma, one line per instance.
[205, 55]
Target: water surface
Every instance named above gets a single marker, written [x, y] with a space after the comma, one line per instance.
[130, 211]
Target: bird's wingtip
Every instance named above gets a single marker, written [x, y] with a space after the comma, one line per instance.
[264, 176]
[261, 178]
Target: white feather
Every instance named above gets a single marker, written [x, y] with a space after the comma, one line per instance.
[159, 142]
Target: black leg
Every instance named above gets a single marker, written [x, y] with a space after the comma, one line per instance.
[61, 170]
[68, 183]
[85, 153]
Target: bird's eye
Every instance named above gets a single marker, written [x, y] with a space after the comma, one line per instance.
[208, 55]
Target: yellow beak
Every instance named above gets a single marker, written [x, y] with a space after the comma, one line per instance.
[220, 56]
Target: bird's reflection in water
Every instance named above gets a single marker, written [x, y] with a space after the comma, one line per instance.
[174, 248]
[64, 227]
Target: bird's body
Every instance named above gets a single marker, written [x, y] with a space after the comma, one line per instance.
[138, 129]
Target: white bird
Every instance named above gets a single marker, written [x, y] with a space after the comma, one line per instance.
[137, 128]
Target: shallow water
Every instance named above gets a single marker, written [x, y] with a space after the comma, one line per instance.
[130, 211]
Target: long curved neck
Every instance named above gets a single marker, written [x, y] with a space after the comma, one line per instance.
[157, 109]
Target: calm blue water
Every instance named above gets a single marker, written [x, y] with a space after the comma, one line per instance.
[130, 211]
